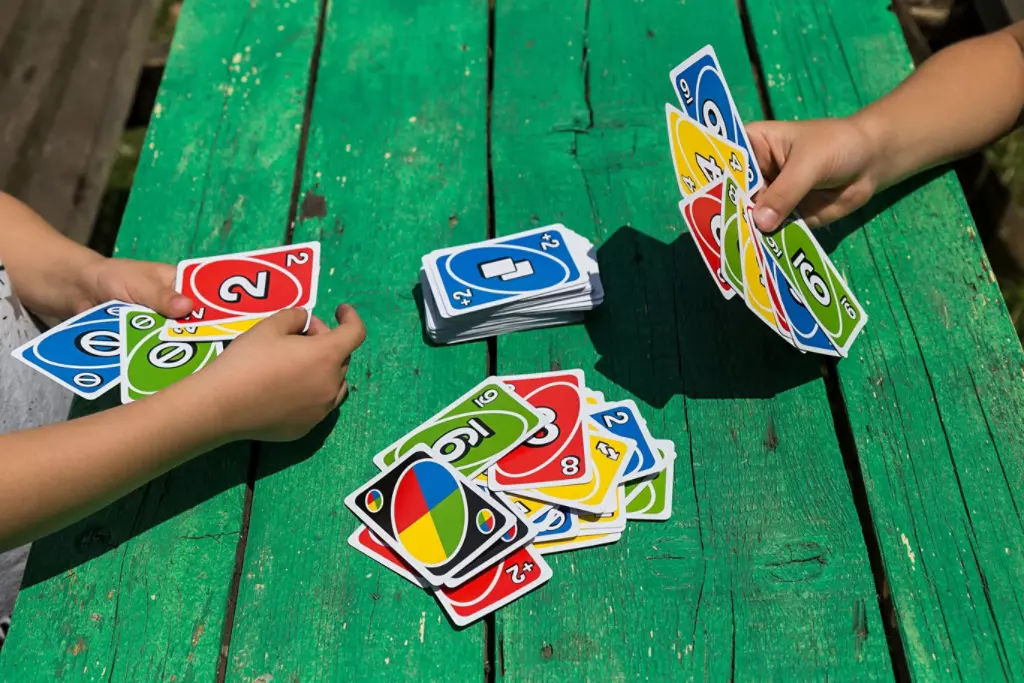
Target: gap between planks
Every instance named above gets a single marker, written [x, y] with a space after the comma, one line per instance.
[254, 452]
[841, 424]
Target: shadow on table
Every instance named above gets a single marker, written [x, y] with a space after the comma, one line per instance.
[172, 494]
[665, 329]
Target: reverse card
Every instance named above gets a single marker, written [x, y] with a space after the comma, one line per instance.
[610, 455]
[703, 215]
[518, 535]
[556, 454]
[149, 364]
[706, 98]
[810, 271]
[499, 585]
[623, 419]
[473, 432]
[252, 284]
[363, 540]
[433, 517]
[701, 157]
[499, 272]
[732, 259]
[82, 353]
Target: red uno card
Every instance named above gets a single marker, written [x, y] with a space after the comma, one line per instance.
[558, 453]
[505, 582]
[703, 214]
[363, 540]
[251, 284]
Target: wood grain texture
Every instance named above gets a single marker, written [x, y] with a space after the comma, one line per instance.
[68, 72]
[139, 591]
[933, 388]
[395, 166]
[762, 571]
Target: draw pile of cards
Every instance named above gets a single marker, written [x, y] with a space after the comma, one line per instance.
[538, 278]
[468, 504]
[786, 279]
[143, 352]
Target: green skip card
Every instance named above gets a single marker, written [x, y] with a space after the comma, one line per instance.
[473, 432]
[148, 364]
[811, 273]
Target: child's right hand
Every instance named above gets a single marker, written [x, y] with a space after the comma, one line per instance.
[827, 168]
[275, 384]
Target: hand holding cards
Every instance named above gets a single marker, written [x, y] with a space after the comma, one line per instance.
[786, 278]
[538, 278]
[118, 343]
[468, 503]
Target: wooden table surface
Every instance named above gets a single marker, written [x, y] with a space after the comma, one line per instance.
[855, 520]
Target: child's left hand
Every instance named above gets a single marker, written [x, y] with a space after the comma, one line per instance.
[138, 282]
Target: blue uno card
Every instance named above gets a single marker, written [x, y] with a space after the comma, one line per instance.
[556, 524]
[806, 333]
[622, 418]
[500, 271]
[705, 97]
[82, 353]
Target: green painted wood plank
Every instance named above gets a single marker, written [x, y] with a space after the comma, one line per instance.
[762, 571]
[933, 388]
[396, 165]
[139, 590]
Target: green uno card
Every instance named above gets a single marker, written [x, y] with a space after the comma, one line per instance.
[732, 260]
[650, 499]
[149, 364]
[473, 432]
[811, 273]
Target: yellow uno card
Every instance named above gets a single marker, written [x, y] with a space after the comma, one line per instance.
[610, 454]
[700, 157]
[613, 523]
[551, 547]
[224, 330]
[757, 297]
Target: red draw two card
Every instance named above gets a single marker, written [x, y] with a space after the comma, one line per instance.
[252, 284]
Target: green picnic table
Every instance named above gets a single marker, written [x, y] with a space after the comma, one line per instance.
[853, 520]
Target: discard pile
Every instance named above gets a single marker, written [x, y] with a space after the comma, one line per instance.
[537, 278]
[468, 503]
[143, 352]
[785, 278]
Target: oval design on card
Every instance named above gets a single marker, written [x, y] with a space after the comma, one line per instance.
[374, 500]
[245, 286]
[485, 521]
[542, 449]
[507, 269]
[428, 510]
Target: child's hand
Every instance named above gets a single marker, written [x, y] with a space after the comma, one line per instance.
[273, 383]
[827, 168]
[138, 282]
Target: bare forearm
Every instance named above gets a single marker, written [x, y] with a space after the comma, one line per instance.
[977, 85]
[45, 266]
[55, 475]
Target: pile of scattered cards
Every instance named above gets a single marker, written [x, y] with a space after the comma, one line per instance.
[468, 503]
[118, 343]
[537, 278]
[786, 278]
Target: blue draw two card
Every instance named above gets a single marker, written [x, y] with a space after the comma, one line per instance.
[807, 334]
[500, 271]
[706, 98]
[623, 419]
[82, 354]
